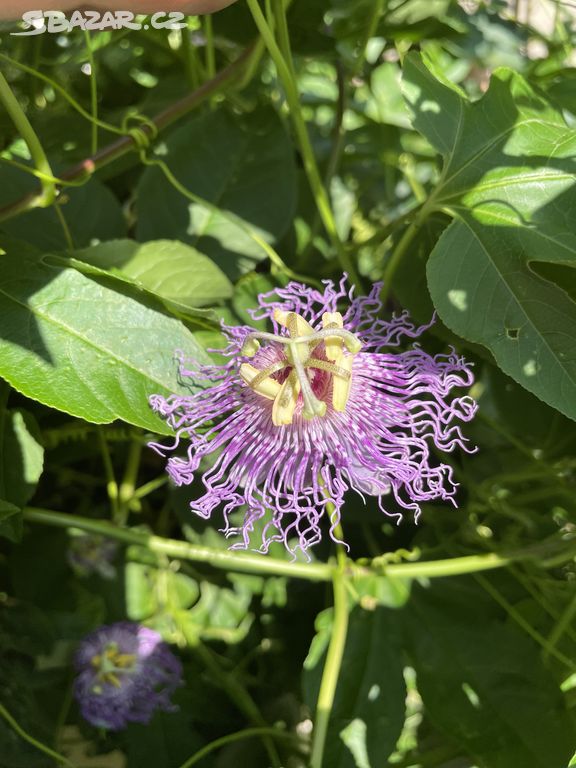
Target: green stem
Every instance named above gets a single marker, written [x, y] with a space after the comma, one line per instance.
[210, 49]
[65, 228]
[247, 733]
[455, 566]
[64, 709]
[339, 129]
[400, 251]
[546, 554]
[128, 485]
[369, 33]
[31, 740]
[150, 486]
[93, 92]
[63, 92]
[24, 127]
[281, 22]
[86, 168]
[286, 74]
[190, 55]
[563, 625]
[240, 697]
[332, 667]
[38, 175]
[338, 142]
[182, 550]
[111, 484]
[252, 65]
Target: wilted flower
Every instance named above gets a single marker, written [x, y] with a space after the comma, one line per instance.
[92, 554]
[296, 417]
[125, 673]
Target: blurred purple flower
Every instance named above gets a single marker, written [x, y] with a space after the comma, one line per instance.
[296, 418]
[92, 554]
[125, 673]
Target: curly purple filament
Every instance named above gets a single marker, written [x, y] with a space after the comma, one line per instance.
[291, 475]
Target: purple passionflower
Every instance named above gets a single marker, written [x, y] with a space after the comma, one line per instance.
[90, 554]
[323, 404]
[125, 673]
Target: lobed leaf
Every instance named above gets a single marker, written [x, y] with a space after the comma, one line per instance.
[509, 181]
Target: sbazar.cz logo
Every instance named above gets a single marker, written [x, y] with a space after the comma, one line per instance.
[56, 22]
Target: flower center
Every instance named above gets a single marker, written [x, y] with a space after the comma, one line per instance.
[111, 664]
[302, 347]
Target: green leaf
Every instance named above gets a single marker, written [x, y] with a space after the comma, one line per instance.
[22, 457]
[368, 712]
[146, 587]
[75, 344]
[169, 269]
[246, 292]
[483, 681]
[220, 614]
[244, 167]
[383, 100]
[508, 179]
[377, 590]
[21, 465]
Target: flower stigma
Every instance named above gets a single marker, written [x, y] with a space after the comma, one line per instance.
[302, 353]
[110, 664]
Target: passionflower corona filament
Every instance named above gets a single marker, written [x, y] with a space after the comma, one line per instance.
[125, 673]
[321, 404]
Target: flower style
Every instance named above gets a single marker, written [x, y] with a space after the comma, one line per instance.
[323, 404]
[125, 673]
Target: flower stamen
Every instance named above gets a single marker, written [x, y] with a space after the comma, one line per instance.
[286, 401]
[300, 346]
[112, 663]
[261, 381]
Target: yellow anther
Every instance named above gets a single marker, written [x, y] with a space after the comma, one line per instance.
[333, 344]
[286, 400]
[110, 663]
[260, 381]
[110, 677]
[341, 383]
[250, 347]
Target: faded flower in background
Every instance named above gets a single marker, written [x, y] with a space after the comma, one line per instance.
[125, 672]
[323, 404]
[90, 554]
